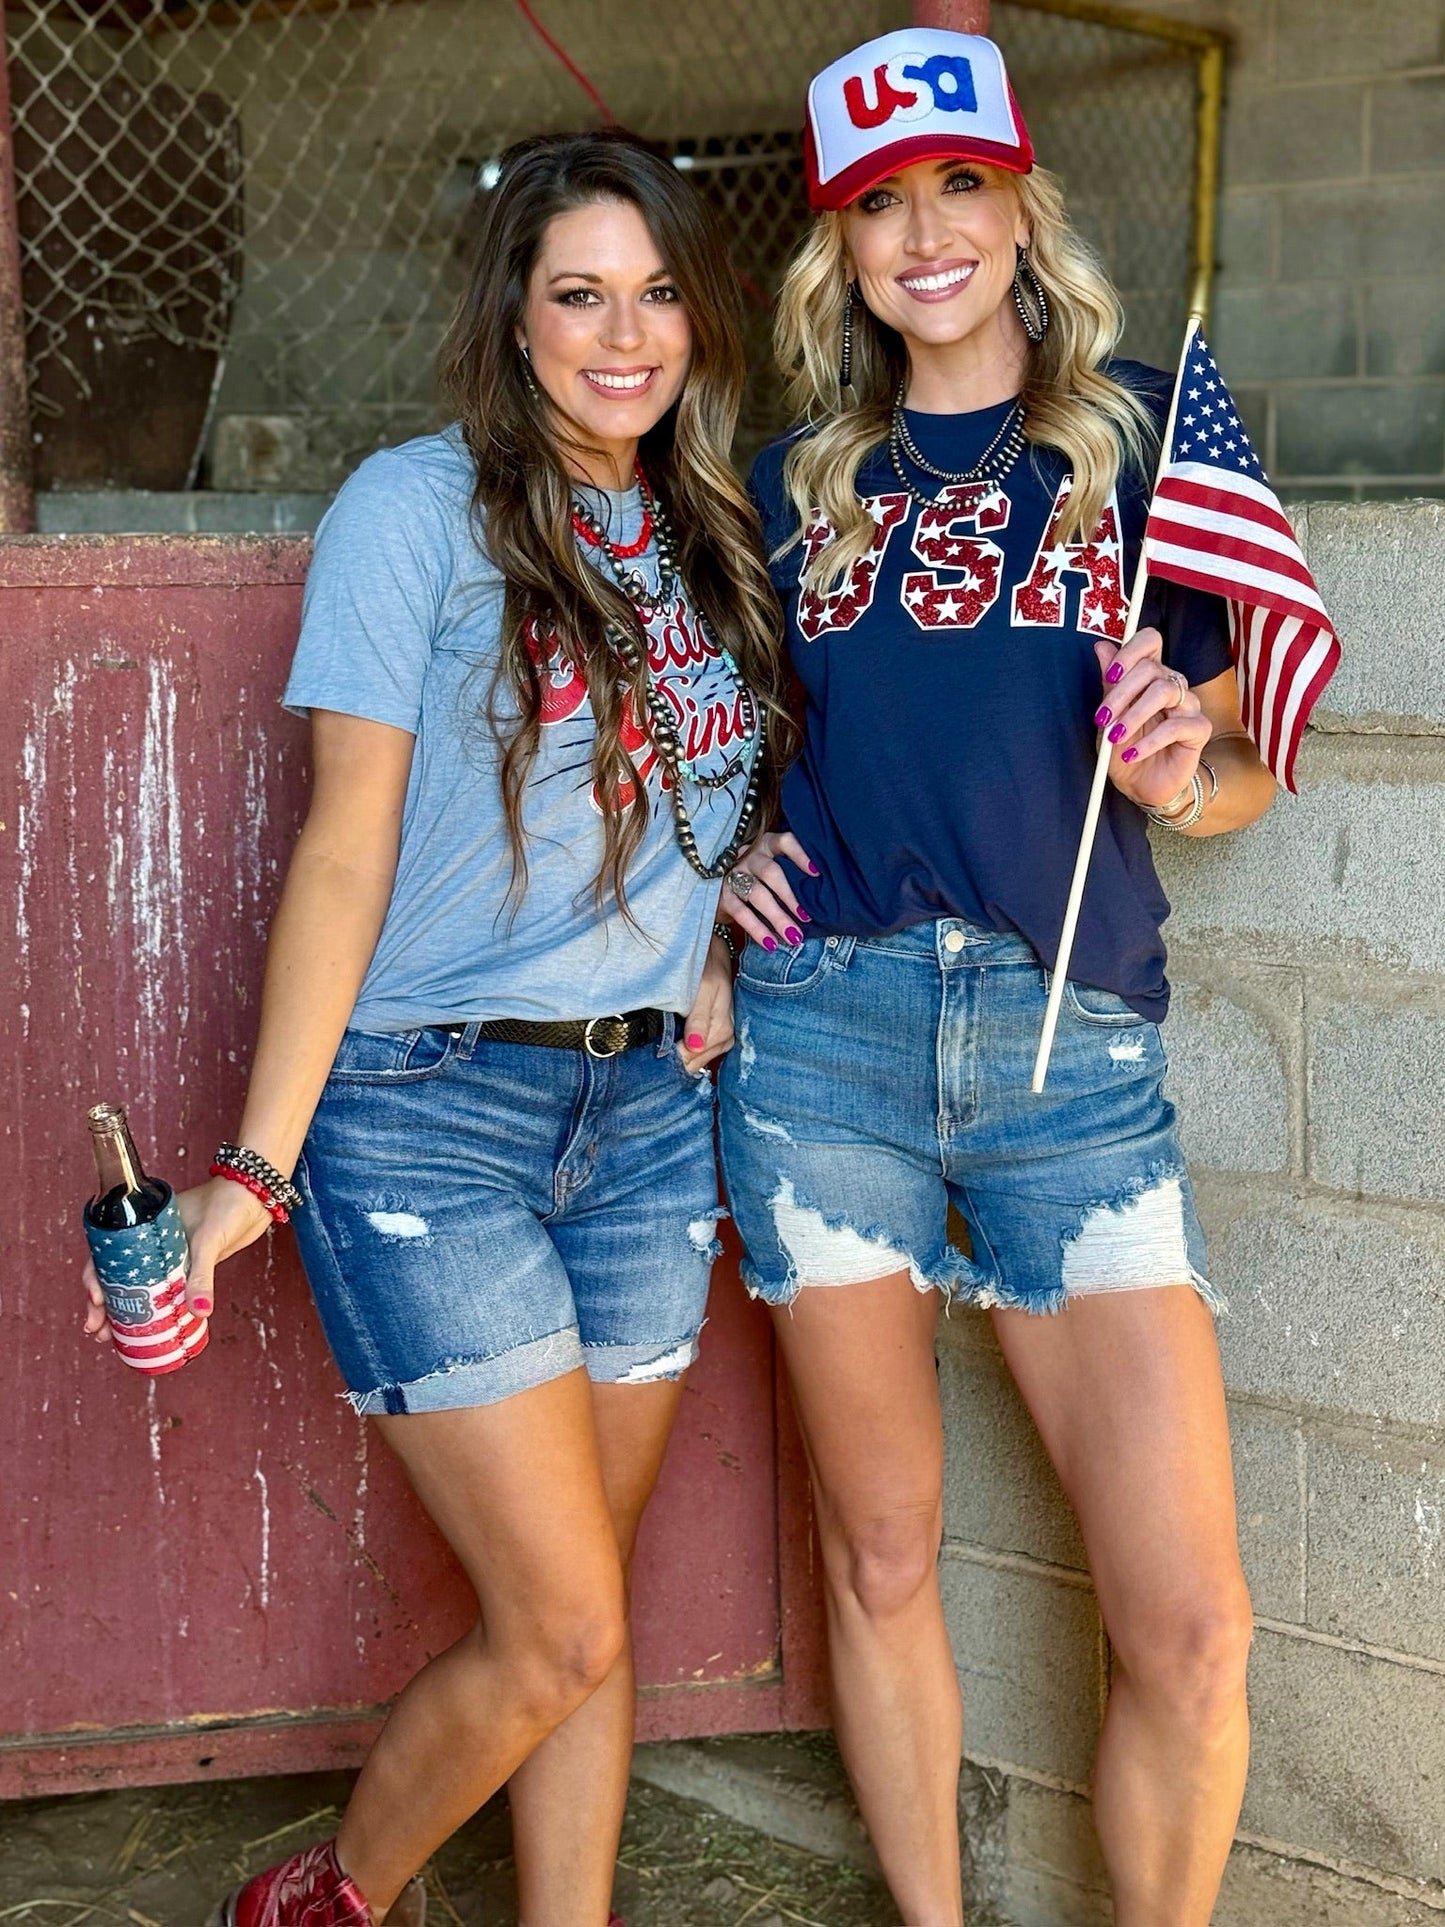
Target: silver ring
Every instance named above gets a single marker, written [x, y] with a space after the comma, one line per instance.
[741, 882]
[1181, 683]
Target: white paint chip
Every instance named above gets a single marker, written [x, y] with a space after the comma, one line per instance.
[1130, 1246]
[824, 1254]
[398, 1224]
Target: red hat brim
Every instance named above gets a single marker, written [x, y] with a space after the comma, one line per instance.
[846, 186]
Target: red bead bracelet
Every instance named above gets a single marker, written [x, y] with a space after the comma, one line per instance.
[254, 1185]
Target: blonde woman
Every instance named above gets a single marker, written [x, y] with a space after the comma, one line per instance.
[954, 530]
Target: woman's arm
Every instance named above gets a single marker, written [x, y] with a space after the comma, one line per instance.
[326, 925]
[1159, 727]
[1246, 788]
[337, 889]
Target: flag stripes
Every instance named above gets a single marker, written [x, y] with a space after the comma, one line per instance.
[1216, 525]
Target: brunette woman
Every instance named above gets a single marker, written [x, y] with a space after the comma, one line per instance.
[540, 657]
[954, 530]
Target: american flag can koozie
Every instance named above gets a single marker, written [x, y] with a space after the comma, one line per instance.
[142, 1271]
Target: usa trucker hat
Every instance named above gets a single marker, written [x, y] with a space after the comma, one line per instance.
[916, 95]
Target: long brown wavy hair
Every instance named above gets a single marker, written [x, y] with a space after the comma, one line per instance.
[522, 503]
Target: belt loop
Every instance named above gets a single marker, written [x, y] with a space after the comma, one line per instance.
[468, 1042]
[668, 1038]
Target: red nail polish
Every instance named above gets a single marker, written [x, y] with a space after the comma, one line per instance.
[770, 943]
[202, 1305]
[695, 1040]
[1114, 672]
[793, 934]
[1103, 715]
[1116, 734]
[1128, 755]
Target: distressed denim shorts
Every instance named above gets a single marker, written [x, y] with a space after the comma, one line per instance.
[876, 1081]
[482, 1217]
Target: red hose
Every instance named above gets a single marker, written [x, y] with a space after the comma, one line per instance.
[567, 61]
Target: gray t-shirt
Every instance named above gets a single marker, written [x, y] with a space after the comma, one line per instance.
[400, 624]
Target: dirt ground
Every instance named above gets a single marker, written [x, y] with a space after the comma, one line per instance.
[161, 1857]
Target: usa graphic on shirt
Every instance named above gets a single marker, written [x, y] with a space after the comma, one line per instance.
[964, 575]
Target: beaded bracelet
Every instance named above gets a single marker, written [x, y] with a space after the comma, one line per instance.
[725, 932]
[279, 1213]
[239, 1157]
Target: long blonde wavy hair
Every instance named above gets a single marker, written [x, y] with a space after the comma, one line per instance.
[1072, 405]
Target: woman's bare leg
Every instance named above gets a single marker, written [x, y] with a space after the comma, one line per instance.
[517, 1491]
[1126, 1391]
[860, 1358]
[568, 1797]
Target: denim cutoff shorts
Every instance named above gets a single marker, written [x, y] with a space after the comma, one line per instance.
[482, 1217]
[875, 1081]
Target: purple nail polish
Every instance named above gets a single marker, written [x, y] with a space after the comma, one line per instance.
[1103, 715]
[1114, 672]
[1128, 755]
[803, 916]
[770, 943]
[1116, 734]
[793, 934]
[813, 869]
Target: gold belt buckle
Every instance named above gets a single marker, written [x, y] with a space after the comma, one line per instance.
[622, 1033]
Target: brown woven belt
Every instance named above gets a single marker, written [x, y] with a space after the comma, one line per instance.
[598, 1036]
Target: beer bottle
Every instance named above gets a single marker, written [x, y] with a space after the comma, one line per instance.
[139, 1246]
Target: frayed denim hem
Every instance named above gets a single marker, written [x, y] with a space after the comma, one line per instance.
[827, 1251]
[460, 1382]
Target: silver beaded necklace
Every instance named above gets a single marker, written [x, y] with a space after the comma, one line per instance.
[628, 644]
[992, 466]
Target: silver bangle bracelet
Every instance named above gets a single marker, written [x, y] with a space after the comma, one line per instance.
[1186, 818]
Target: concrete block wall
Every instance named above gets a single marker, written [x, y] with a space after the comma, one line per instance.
[1307, 1056]
[1329, 316]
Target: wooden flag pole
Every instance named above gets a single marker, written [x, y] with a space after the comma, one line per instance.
[1101, 762]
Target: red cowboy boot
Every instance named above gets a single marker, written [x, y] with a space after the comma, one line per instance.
[310, 1890]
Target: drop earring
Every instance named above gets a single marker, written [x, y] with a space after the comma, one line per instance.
[1035, 329]
[845, 364]
[527, 375]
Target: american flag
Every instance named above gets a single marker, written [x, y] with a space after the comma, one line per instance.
[1215, 524]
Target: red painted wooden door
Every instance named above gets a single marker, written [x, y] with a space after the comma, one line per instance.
[221, 1571]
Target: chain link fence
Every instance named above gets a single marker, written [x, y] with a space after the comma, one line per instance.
[243, 221]
[1114, 112]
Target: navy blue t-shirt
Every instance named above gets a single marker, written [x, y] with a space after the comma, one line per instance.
[951, 686]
